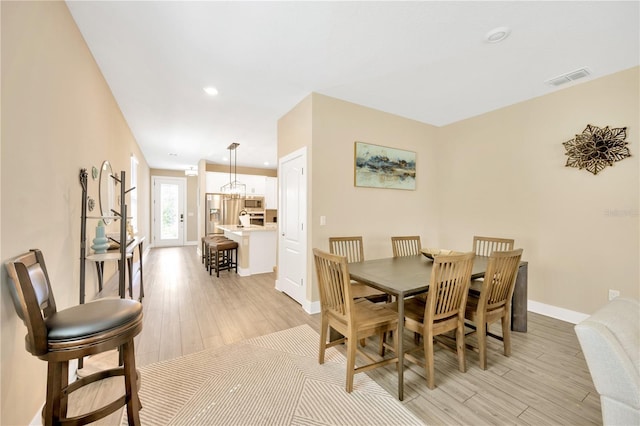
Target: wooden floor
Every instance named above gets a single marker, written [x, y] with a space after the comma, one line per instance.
[544, 382]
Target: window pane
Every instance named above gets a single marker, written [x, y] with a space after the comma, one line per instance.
[169, 211]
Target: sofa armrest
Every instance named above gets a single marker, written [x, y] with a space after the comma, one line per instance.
[610, 341]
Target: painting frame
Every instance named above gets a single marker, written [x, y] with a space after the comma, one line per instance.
[377, 166]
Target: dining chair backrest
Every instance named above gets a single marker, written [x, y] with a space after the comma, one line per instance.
[334, 284]
[484, 246]
[406, 246]
[350, 247]
[448, 288]
[499, 280]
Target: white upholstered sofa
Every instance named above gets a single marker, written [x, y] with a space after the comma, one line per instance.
[610, 341]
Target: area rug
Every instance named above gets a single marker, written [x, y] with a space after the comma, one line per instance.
[268, 380]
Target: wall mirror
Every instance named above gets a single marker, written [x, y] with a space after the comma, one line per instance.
[107, 192]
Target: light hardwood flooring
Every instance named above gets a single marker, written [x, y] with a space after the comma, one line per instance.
[544, 382]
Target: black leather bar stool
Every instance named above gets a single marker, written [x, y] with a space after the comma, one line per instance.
[60, 336]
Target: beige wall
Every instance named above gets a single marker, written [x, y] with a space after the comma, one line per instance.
[374, 213]
[503, 174]
[191, 212]
[58, 116]
[498, 174]
[294, 133]
[224, 168]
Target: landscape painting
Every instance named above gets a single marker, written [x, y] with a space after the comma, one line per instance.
[383, 167]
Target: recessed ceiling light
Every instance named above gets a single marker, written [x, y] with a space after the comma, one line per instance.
[212, 91]
[266, 163]
[496, 35]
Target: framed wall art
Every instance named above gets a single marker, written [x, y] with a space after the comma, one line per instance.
[384, 167]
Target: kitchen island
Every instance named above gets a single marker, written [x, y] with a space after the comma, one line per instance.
[256, 247]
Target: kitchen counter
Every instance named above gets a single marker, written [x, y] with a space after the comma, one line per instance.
[257, 247]
[247, 229]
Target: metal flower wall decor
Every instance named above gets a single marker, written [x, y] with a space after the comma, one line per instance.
[596, 148]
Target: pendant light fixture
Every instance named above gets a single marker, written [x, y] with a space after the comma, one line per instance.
[234, 189]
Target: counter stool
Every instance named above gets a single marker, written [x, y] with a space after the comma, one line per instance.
[223, 255]
[60, 336]
[205, 247]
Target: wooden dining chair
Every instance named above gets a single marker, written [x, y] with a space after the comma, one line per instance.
[484, 246]
[354, 319]
[494, 302]
[353, 249]
[406, 246]
[73, 333]
[443, 310]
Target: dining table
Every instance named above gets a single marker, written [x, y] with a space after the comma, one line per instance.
[407, 276]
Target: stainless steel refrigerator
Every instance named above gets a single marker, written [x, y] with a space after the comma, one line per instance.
[221, 210]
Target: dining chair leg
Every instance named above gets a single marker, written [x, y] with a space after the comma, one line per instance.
[429, 361]
[323, 338]
[460, 348]
[351, 360]
[506, 334]
[481, 333]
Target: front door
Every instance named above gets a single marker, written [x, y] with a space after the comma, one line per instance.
[168, 211]
[292, 213]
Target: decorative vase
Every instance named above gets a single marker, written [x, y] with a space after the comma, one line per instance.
[100, 242]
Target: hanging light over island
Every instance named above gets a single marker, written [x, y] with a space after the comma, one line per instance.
[234, 189]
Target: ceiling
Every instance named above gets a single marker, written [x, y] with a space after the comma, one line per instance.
[427, 61]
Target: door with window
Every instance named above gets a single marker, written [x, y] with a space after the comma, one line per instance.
[169, 201]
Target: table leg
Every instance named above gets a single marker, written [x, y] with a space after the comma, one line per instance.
[99, 268]
[130, 267]
[519, 300]
[400, 346]
[121, 290]
[140, 250]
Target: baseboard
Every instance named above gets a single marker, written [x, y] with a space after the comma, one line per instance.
[556, 312]
[308, 306]
[311, 307]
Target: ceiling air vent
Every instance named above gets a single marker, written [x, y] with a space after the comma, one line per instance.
[567, 77]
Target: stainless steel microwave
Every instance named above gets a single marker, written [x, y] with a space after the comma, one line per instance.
[254, 203]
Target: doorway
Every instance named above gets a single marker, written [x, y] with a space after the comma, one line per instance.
[292, 215]
[168, 201]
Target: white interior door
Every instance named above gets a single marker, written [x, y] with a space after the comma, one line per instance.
[168, 211]
[292, 213]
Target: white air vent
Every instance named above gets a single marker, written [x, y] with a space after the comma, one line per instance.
[567, 77]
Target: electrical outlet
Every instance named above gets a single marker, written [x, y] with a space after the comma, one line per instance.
[613, 294]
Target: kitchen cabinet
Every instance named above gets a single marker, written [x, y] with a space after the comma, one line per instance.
[256, 184]
[215, 180]
[271, 193]
[257, 246]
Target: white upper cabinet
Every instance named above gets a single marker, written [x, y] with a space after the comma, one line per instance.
[271, 193]
[256, 184]
[215, 180]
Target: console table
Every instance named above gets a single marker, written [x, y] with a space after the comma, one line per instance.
[100, 258]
